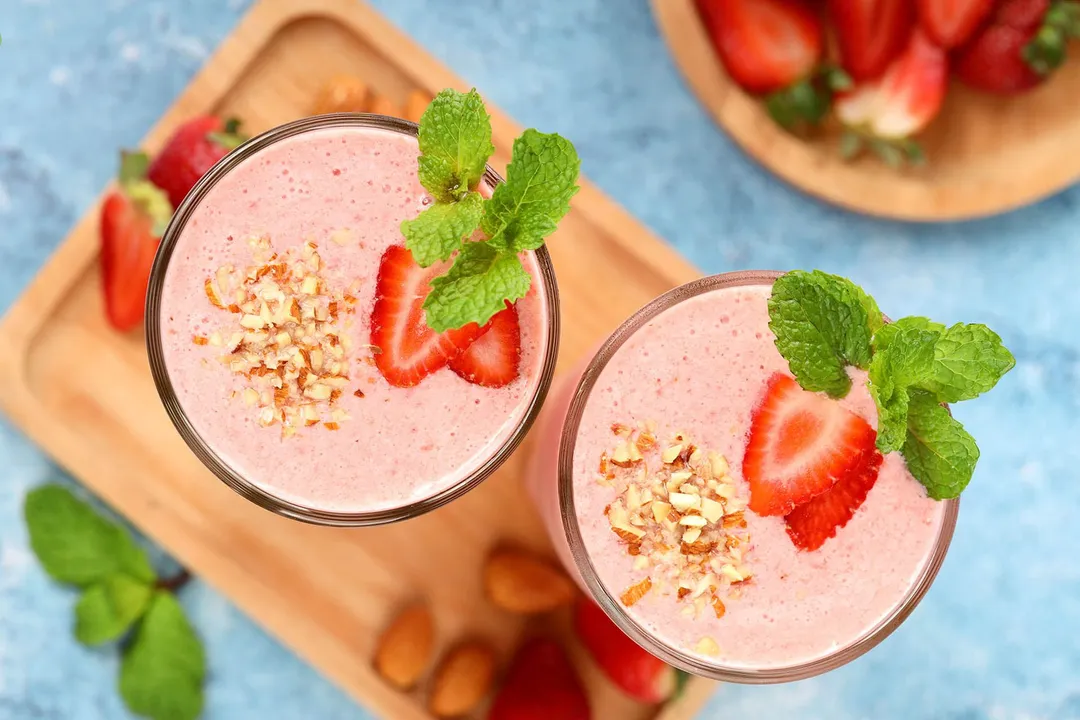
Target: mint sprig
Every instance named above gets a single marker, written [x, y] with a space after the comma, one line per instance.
[824, 323]
[163, 668]
[455, 145]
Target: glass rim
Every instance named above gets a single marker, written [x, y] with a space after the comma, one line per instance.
[202, 449]
[613, 608]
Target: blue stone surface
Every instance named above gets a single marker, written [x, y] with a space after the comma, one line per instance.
[996, 639]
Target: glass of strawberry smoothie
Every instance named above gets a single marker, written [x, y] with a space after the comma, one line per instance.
[643, 470]
[287, 339]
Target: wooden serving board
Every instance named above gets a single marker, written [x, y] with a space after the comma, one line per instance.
[986, 154]
[84, 392]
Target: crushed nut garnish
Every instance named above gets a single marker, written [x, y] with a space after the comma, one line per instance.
[287, 338]
[679, 514]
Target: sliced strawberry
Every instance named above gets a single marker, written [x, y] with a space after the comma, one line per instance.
[639, 674]
[492, 360]
[133, 219]
[812, 523]
[887, 112]
[765, 45]
[409, 350]
[191, 151]
[541, 685]
[1022, 45]
[950, 23]
[801, 443]
[870, 33]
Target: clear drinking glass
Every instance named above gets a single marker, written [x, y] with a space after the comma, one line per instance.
[550, 481]
[203, 447]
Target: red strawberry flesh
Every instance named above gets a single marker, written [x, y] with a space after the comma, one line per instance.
[191, 151]
[128, 246]
[636, 672]
[541, 685]
[492, 360]
[408, 350]
[800, 445]
[809, 525]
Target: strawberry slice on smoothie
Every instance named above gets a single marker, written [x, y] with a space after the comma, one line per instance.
[409, 350]
[492, 360]
[801, 445]
[809, 525]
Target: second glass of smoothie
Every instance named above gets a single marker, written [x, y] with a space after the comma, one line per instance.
[639, 475]
[273, 279]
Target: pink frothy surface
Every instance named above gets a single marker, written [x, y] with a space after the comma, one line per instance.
[400, 445]
[701, 367]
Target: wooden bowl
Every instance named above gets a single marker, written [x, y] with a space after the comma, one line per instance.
[987, 154]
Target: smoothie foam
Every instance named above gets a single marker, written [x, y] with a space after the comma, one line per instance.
[700, 367]
[398, 445]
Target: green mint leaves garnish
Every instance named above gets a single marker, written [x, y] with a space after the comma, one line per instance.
[162, 673]
[163, 668]
[540, 180]
[824, 323]
[438, 232]
[455, 144]
[939, 452]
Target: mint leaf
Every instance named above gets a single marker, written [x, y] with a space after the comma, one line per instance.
[455, 144]
[478, 285]
[540, 180]
[874, 319]
[906, 359]
[939, 452]
[162, 673]
[892, 406]
[76, 545]
[822, 324]
[437, 233]
[884, 335]
[968, 361]
[107, 609]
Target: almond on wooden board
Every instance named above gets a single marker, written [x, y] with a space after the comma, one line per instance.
[343, 93]
[521, 582]
[463, 678]
[404, 649]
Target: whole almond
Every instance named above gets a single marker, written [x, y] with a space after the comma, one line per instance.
[521, 582]
[404, 649]
[463, 679]
[343, 93]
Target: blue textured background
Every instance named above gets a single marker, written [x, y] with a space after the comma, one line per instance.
[997, 639]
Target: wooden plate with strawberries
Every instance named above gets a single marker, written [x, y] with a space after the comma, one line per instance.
[919, 110]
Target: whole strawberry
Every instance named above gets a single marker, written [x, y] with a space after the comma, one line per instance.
[133, 218]
[636, 672]
[1022, 45]
[192, 150]
[541, 685]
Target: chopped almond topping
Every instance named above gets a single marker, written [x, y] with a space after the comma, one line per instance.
[200, 340]
[682, 522]
[285, 329]
[358, 393]
[707, 646]
[636, 592]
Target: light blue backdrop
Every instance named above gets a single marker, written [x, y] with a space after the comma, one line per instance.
[997, 637]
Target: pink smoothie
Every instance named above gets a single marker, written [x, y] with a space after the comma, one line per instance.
[700, 367]
[347, 191]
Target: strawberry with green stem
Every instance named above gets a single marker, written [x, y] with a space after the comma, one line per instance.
[774, 48]
[885, 114]
[1022, 45]
[191, 151]
[133, 218]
